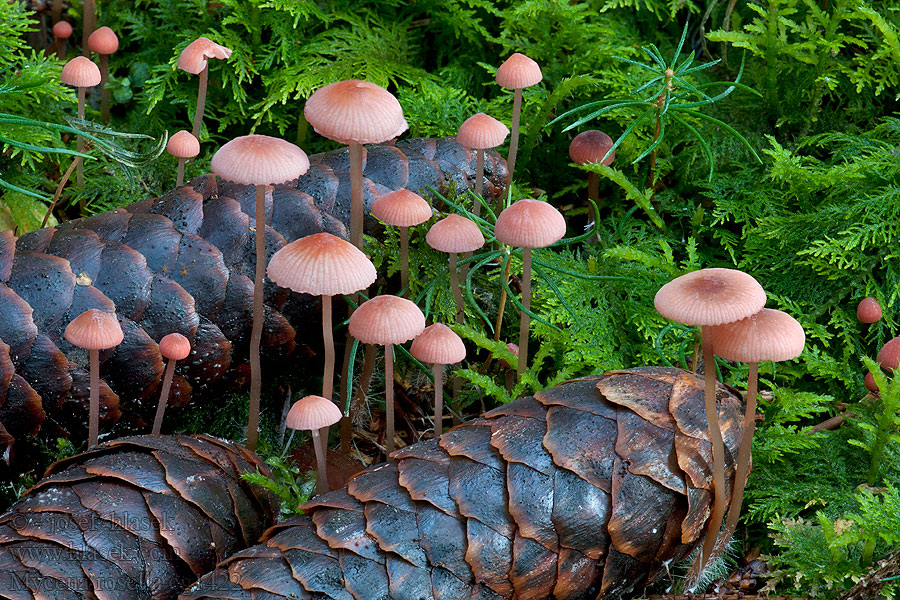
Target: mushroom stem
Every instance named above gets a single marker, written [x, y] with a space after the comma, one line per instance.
[60, 48]
[180, 177]
[87, 24]
[389, 398]
[479, 181]
[594, 194]
[163, 397]
[321, 468]
[79, 141]
[328, 338]
[201, 101]
[356, 195]
[59, 189]
[514, 133]
[94, 418]
[454, 286]
[364, 379]
[104, 88]
[256, 331]
[524, 319]
[438, 371]
[56, 11]
[404, 259]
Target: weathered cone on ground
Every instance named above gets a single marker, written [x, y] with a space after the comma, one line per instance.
[583, 491]
[132, 519]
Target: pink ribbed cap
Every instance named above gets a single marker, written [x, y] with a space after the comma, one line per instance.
[889, 355]
[183, 144]
[454, 233]
[868, 310]
[530, 223]
[590, 147]
[259, 160]
[401, 208]
[312, 412]
[62, 30]
[103, 41]
[481, 132]
[386, 320]
[710, 297]
[94, 330]
[518, 71]
[175, 346]
[355, 111]
[767, 335]
[438, 345]
[80, 72]
[196, 55]
[323, 265]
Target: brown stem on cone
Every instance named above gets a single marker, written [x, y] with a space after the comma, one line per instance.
[60, 49]
[321, 468]
[79, 141]
[59, 189]
[514, 133]
[389, 398]
[356, 195]
[365, 378]
[454, 286]
[164, 397]
[404, 260]
[88, 21]
[525, 318]
[201, 101]
[328, 339]
[258, 316]
[179, 179]
[479, 181]
[94, 417]
[56, 11]
[438, 371]
[501, 308]
[104, 88]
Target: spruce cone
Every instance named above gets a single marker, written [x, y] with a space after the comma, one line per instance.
[182, 263]
[584, 491]
[137, 518]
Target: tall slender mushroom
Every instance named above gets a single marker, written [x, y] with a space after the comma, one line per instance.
[173, 347]
[387, 320]
[62, 31]
[404, 209]
[354, 113]
[315, 413]
[711, 297]
[767, 335]
[528, 224]
[88, 22]
[94, 330]
[481, 132]
[438, 345]
[258, 160]
[104, 42]
[517, 72]
[182, 145]
[454, 234]
[194, 59]
[80, 72]
[592, 146]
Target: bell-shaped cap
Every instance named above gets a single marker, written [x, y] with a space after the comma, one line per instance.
[259, 160]
[438, 345]
[590, 147]
[80, 72]
[323, 265]
[529, 223]
[62, 30]
[386, 320]
[710, 297]
[195, 56]
[312, 412]
[94, 330]
[766, 335]
[103, 41]
[518, 71]
[454, 233]
[401, 208]
[868, 310]
[175, 346]
[481, 132]
[889, 355]
[183, 144]
[355, 111]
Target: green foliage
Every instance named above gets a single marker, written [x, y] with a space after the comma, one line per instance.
[292, 487]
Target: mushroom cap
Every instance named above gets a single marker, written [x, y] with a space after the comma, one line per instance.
[401, 208]
[529, 223]
[869, 381]
[103, 41]
[590, 147]
[323, 265]
[183, 144]
[194, 57]
[454, 233]
[386, 320]
[438, 345]
[766, 335]
[312, 412]
[710, 297]
[80, 72]
[889, 355]
[175, 346]
[481, 131]
[355, 111]
[259, 160]
[94, 330]
[518, 71]
[868, 310]
[62, 30]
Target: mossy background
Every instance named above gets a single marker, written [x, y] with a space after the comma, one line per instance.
[816, 221]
